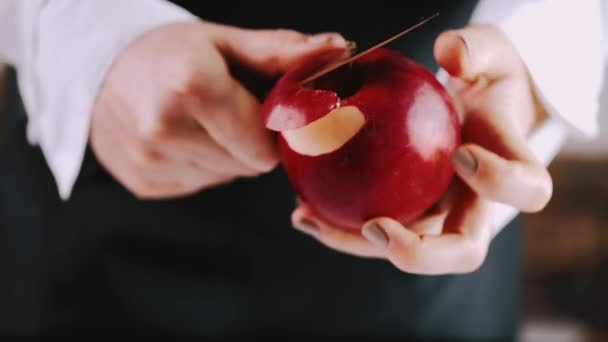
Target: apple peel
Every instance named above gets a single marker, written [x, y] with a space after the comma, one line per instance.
[286, 113]
[282, 108]
[326, 134]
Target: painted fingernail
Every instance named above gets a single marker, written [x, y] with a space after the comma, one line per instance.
[375, 234]
[465, 162]
[307, 227]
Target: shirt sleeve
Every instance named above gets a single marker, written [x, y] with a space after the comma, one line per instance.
[561, 43]
[62, 50]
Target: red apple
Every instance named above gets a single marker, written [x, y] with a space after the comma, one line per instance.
[371, 139]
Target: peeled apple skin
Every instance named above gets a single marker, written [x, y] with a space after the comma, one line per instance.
[398, 164]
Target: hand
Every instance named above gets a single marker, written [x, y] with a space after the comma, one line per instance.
[170, 119]
[494, 164]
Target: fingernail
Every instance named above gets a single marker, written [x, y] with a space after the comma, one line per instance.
[328, 38]
[307, 227]
[375, 234]
[465, 162]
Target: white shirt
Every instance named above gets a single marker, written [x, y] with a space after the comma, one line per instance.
[62, 50]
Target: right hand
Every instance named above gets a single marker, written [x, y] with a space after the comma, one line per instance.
[171, 120]
[494, 165]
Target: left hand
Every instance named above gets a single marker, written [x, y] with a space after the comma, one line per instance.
[492, 88]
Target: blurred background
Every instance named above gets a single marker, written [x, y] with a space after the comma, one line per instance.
[566, 264]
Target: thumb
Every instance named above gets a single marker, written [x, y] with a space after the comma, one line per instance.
[476, 51]
[272, 52]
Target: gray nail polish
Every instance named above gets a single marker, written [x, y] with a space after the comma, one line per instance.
[375, 234]
[308, 227]
[465, 162]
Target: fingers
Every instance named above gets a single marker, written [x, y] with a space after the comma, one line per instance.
[167, 183]
[151, 172]
[272, 51]
[234, 123]
[304, 220]
[207, 129]
[523, 185]
[462, 247]
[510, 174]
[474, 52]
[201, 150]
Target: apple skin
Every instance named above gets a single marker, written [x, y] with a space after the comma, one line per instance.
[397, 165]
[290, 105]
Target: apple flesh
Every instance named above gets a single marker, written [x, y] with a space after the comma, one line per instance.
[371, 139]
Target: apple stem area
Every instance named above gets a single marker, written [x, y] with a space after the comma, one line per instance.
[333, 130]
[344, 81]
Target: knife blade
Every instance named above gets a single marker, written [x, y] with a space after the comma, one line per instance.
[336, 65]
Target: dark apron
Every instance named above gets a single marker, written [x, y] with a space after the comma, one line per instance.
[226, 261]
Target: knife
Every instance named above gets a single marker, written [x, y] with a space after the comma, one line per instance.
[335, 66]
